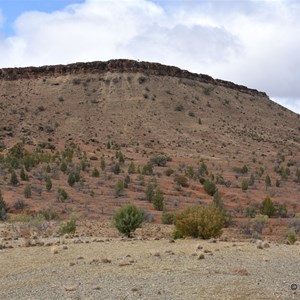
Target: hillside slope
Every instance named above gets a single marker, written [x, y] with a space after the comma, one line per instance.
[145, 109]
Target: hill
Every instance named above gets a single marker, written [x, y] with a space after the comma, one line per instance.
[87, 112]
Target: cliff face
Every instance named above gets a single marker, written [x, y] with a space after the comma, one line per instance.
[119, 65]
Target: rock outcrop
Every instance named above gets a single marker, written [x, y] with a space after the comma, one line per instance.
[119, 65]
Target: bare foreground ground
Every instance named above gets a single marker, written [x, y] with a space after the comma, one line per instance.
[89, 267]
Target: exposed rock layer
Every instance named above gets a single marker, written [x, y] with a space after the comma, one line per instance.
[119, 65]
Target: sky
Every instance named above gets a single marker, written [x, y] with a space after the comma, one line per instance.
[250, 42]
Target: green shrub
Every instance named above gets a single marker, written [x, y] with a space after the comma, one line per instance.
[259, 222]
[244, 185]
[268, 207]
[251, 210]
[119, 187]
[23, 175]
[268, 181]
[158, 200]
[168, 217]
[169, 172]
[147, 169]
[149, 192]
[61, 194]
[102, 164]
[128, 218]
[49, 214]
[292, 236]
[160, 160]
[64, 167]
[3, 208]
[71, 179]
[14, 179]
[68, 227]
[27, 191]
[200, 221]
[95, 172]
[126, 181]
[209, 187]
[181, 180]
[116, 168]
[217, 200]
[48, 184]
[131, 168]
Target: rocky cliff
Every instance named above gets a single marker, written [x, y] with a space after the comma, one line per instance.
[119, 65]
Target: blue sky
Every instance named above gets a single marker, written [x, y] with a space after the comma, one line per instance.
[11, 9]
[251, 42]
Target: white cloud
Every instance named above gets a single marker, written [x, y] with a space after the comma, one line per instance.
[255, 43]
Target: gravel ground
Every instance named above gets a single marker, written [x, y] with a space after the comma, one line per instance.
[98, 268]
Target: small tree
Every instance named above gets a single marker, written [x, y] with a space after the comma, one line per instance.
[23, 175]
[149, 192]
[102, 164]
[244, 185]
[116, 168]
[268, 207]
[128, 218]
[27, 191]
[71, 179]
[14, 179]
[268, 181]
[217, 200]
[251, 180]
[131, 168]
[158, 200]
[119, 187]
[64, 167]
[48, 184]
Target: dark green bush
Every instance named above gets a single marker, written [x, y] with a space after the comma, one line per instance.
[27, 191]
[71, 179]
[128, 218]
[268, 207]
[147, 169]
[131, 168]
[209, 187]
[95, 172]
[61, 195]
[14, 179]
[149, 192]
[158, 200]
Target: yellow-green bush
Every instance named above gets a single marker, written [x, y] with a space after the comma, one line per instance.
[200, 221]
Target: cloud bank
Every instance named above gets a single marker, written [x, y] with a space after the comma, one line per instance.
[255, 43]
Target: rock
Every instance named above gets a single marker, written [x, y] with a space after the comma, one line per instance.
[54, 250]
[201, 256]
[106, 260]
[70, 288]
[260, 245]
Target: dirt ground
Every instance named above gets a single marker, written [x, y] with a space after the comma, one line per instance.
[149, 266]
